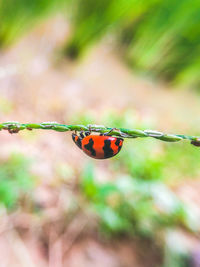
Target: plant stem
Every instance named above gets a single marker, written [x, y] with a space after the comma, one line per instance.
[15, 127]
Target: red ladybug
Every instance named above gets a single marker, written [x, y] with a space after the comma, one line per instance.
[98, 146]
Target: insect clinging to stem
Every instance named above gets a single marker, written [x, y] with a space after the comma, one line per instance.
[101, 146]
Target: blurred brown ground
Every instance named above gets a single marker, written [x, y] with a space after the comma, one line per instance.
[40, 87]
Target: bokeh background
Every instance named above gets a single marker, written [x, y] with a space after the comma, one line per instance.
[118, 63]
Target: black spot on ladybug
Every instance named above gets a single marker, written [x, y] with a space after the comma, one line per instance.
[78, 141]
[90, 148]
[119, 148]
[108, 152]
[117, 142]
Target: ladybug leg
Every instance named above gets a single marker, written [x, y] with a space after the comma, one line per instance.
[82, 134]
[117, 130]
[90, 130]
[108, 133]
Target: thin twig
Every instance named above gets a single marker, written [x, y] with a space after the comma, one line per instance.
[15, 127]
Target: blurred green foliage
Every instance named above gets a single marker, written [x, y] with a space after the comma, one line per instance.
[92, 20]
[136, 200]
[156, 37]
[15, 180]
[131, 205]
[176, 252]
[18, 16]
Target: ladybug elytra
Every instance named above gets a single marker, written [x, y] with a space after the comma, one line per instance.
[98, 146]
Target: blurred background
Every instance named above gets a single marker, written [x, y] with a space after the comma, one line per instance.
[118, 63]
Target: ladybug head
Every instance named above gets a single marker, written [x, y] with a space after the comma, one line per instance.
[77, 140]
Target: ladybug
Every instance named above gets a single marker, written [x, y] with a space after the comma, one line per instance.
[98, 146]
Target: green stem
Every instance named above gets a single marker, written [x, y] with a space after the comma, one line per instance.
[15, 127]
